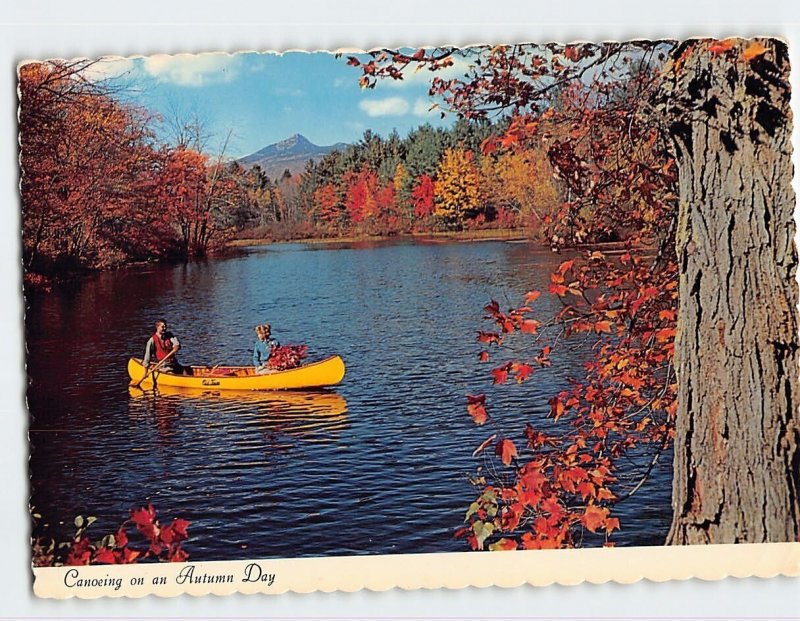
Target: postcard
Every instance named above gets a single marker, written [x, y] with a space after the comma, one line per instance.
[433, 317]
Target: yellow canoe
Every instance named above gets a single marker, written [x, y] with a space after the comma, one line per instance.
[327, 372]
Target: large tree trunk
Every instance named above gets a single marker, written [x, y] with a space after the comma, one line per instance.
[736, 446]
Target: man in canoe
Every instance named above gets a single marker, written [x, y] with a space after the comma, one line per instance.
[263, 348]
[163, 346]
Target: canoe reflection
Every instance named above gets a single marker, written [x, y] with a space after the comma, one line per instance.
[317, 416]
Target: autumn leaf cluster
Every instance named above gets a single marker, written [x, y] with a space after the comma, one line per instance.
[589, 108]
[153, 541]
[285, 357]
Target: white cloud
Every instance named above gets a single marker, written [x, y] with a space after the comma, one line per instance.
[193, 70]
[391, 106]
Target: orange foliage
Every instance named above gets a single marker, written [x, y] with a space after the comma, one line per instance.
[328, 206]
[96, 189]
[613, 165]
[360, 190]
[88, 172]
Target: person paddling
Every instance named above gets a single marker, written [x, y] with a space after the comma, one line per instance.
[263, 348]
[163, 345]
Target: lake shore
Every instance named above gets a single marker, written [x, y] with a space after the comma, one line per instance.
[519, 234]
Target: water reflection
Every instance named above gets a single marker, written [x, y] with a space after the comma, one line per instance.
[380, 466]
[314, 416]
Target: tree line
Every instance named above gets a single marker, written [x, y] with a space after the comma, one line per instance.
[434, 179]
[100, 188]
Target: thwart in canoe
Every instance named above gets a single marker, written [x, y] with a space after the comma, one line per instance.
[327, 372]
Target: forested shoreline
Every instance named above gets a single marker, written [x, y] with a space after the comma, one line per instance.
[102, 189]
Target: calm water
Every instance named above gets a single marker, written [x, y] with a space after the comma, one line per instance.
[379, 465]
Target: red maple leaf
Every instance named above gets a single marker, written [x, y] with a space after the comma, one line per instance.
[522, 371]
[105, 556]
[121, 538]
[179, 527]
[532, 296]
[476, 408]
[566, 266]
[177, 555]
[594, 517]
[506, 450]
[167, 535]
[80, 552]
[489, 337]
[500, 374]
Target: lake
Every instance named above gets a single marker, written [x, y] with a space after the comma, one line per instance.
[379, 465]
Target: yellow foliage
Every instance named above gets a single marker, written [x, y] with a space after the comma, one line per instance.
[401, 178]
[457, 188]
[521, 181]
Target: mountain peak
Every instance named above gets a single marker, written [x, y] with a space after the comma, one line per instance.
[292, 153]
[295, 140]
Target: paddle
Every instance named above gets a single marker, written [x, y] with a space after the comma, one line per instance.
[154, 369]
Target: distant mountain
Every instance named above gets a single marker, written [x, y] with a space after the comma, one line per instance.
[292, 154]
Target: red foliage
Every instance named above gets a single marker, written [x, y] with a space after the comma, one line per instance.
[506, 450]
[89, 169]
[613, 161]
[360, 194]
[163, 543]
[422, 197]
[385, 199]
[287, 357]
[98, 190]
[476, 408]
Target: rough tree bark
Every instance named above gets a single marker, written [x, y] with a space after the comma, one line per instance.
[736, 445]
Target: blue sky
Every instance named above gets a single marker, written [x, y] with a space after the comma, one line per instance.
[263, 97]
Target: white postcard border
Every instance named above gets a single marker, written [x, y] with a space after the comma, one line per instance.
[452, 570]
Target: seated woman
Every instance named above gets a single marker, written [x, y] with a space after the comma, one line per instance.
[263, 348]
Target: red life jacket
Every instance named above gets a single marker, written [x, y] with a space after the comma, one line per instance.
[162, 348]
